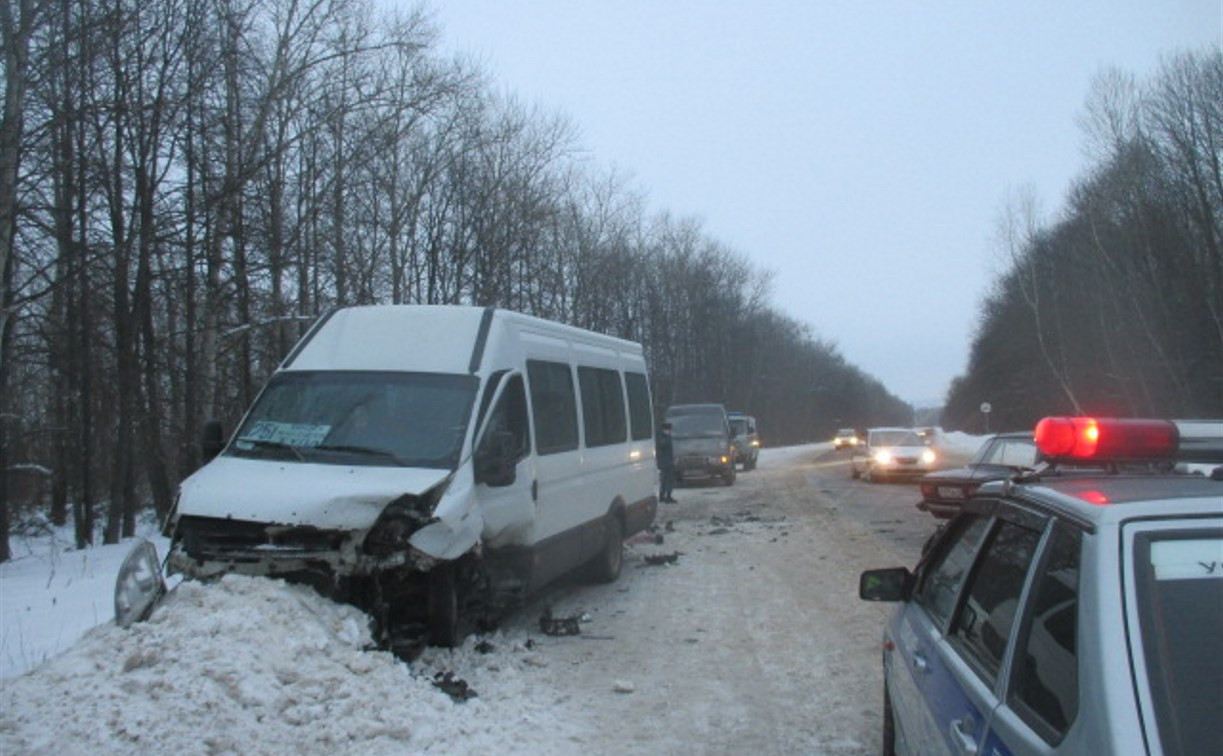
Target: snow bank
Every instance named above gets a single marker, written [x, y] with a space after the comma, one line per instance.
[51, 594]
[249, 665]
[961, 443]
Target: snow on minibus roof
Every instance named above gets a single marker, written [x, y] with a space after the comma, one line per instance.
[427, 338]
[420, 338]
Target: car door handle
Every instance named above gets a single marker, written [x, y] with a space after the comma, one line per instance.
[963, 735]
[920, 664]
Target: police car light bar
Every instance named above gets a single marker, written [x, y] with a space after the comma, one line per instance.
[1116, 440]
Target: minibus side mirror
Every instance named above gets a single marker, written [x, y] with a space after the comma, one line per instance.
[213, 439]
[496, 461]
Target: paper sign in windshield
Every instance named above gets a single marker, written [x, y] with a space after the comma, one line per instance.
[1188, 559]
[289, 434]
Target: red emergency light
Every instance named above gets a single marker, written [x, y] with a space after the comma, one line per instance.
[1106, 439]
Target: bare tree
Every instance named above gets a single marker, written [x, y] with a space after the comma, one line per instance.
[19, 21]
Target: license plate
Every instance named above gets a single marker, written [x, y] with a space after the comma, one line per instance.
[950, 492]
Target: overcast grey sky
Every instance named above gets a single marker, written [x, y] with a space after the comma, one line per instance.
[862, 151]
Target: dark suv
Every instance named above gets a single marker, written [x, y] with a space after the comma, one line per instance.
[702, 442]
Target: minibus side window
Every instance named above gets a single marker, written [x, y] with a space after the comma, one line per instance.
[510, 415]
[602, 406]
[553, 406]
[641, 419]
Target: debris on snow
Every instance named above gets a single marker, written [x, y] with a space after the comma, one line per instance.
[644, 537]
[655, 560]
[623, 686]
[458, 690]
[549, 625]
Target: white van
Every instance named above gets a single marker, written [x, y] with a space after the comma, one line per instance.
[431, 464]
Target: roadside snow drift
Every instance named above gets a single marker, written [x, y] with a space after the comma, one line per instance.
[206, 674]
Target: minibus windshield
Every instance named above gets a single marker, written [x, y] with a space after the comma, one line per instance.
[360, 418]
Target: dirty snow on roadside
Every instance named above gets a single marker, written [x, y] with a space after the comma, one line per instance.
[248, 665]
[735, 623]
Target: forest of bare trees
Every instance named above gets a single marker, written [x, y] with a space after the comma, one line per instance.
[1116, 306]
[185, 185]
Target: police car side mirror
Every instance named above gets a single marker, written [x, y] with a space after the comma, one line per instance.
[891, 584]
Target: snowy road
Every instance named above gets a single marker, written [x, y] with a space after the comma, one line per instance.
[754, 640]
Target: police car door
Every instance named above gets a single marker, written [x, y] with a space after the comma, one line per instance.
[956, 641]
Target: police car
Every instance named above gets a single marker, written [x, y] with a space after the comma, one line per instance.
[1074, 609]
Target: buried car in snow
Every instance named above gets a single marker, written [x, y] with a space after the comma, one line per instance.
[431, 465]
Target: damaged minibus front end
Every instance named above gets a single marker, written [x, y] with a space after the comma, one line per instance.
[354, 472]
[373, 536]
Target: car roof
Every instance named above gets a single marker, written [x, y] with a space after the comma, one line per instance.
[1101, 498]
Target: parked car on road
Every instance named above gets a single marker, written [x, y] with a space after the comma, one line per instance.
[891, 453]
[1000, 456]
[702, 442]
[746, 440]
[1069, 610]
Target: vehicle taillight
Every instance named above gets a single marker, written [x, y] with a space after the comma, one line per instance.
[1106, 439]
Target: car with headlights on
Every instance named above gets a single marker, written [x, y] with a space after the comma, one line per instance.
[846, 438]
[1070, 609]
[745, 438]
[891, 453]
[1000, 456]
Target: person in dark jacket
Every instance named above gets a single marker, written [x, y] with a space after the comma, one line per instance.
[664, 455]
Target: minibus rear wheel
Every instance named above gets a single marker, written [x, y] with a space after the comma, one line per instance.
[605, 567]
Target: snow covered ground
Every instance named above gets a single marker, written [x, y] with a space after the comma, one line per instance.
[258, 666]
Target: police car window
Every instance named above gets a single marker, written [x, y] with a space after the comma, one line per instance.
[1045, 692]
[1178, 578]
[941, 580]
[983, 626]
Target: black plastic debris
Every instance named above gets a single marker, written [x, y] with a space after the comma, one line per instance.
[550, 625]
[655, 560]
[484, 647]
[458, 690]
